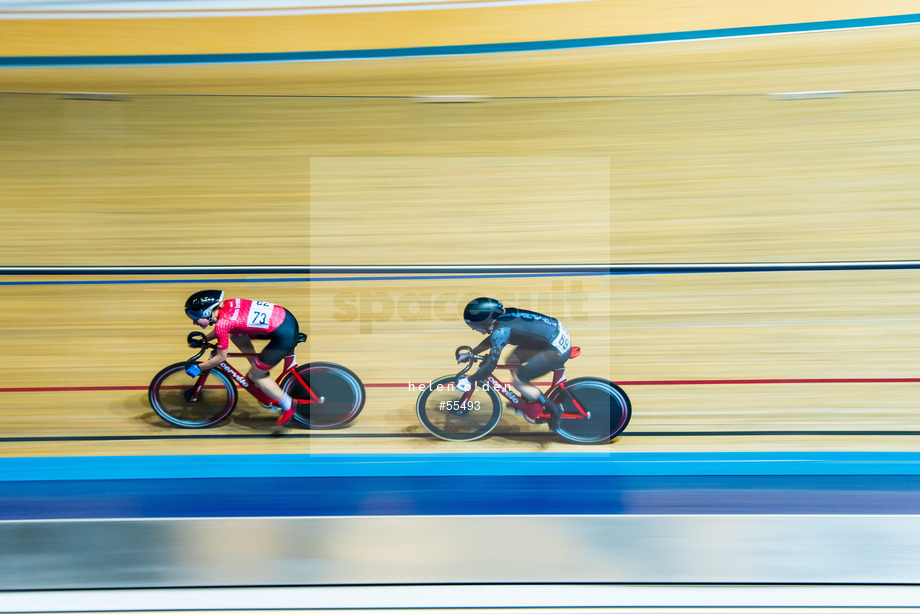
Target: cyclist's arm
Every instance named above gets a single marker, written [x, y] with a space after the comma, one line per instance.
[220, 354]
[497, 342]
[219, 357]
[482, 347]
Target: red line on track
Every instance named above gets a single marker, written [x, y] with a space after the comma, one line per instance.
[703, 382]
[72, 388]
[680, 382]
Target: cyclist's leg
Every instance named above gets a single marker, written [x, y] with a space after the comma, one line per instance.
[258, 372]
[281, 343]
[519, 357]
[540, 364]
[244, 345]
[259, 375]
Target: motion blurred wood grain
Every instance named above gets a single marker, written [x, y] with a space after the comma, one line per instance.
[179, 29]
[675, 153]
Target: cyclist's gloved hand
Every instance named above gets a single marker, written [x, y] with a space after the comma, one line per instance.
[464, 385]
[197, 342]
[463, 357]
[193, 371]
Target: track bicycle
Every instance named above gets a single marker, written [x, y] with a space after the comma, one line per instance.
[595, 410]
[328, 395]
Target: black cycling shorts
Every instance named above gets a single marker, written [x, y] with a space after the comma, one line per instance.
[537, 361]
[281, 343]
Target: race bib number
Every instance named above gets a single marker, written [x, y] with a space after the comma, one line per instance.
[260, 313]
[562, 341]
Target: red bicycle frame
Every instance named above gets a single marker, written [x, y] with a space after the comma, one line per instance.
[251, 387]
[532, 409]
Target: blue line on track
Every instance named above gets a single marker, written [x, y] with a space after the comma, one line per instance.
[269, 280]
[459, 465]
[404, 52]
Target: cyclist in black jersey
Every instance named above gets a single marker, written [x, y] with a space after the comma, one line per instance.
[542, 343]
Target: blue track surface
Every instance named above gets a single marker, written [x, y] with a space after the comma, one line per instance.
[465, 496]
[459, 484]
[692, 464]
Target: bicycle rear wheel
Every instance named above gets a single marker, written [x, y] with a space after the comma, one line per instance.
[606, 403]
[441, 414]
[170, 395]
[341, 391]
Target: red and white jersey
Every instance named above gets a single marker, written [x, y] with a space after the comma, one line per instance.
[240, 316]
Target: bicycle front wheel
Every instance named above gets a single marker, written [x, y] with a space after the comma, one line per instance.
[338, 394]
[171, 396]
[608, 408]
[442, 413]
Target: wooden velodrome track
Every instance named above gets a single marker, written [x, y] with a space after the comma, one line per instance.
[673, 153]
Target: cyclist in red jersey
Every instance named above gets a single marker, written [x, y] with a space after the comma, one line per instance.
[239, 320]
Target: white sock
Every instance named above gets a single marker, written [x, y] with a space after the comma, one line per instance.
[285, 401]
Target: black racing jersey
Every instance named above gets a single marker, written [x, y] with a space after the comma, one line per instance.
[523, 328]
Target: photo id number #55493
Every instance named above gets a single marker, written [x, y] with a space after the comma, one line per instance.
[458, 405]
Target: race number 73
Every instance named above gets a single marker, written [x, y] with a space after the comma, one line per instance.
[260, 313]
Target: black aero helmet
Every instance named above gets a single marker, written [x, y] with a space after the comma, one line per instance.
[481, 312]
[202, 304]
